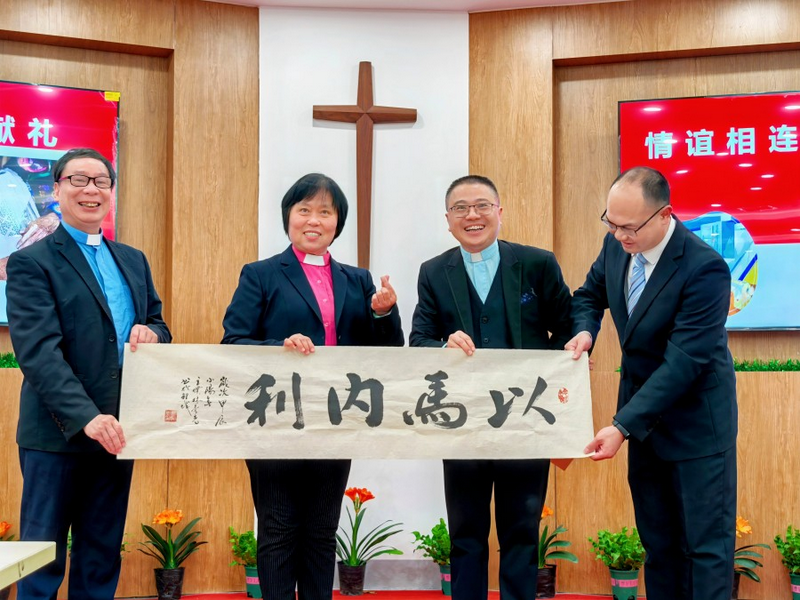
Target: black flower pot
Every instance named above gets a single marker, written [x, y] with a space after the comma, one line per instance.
[546, 582]
[737, 577]
[169, 583]
[351, 579]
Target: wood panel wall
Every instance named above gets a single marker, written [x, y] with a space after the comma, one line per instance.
[567, 92]
[541, 82]
[187, 71]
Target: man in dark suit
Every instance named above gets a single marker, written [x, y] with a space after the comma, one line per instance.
[669, 294]
[74, 299]
[487, 293]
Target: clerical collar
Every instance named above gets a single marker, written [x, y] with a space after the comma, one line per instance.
[486, 254]
[86, 239]
[312, 259]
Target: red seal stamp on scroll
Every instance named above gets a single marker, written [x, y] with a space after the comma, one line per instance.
[563, 395]
[170, 416]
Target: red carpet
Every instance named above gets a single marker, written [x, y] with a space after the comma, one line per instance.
[388, 595]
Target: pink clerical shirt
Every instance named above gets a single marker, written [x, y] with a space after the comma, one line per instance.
[318, 273]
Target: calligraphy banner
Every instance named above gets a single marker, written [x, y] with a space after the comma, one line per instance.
[230, 401]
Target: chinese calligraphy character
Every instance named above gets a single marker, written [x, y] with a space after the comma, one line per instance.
[374, 408]
[6, 125]
[222, 400]
[41, 130]
[261, 403]
[742, 140]
[437, 411]
[503, 409]
[659, 145]
[699, 142]
[783, 139]
[209, 391]
[190, 398]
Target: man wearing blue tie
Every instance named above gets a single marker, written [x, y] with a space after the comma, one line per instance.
[74, 299]
[669, 295]
[488, 293]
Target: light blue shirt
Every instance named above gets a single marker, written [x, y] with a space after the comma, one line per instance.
[112, 282]
[481, 268]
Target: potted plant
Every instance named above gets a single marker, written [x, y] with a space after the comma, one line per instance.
[436, 546]
[551, 549]
[623, 554]
[169, 552]
[354, 552]
[245, 549]
[745, 559]
[5, 527]
[789, 547]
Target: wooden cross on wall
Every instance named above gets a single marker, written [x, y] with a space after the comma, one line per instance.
[364, 114]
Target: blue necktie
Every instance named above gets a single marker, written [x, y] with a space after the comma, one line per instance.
[637, 281]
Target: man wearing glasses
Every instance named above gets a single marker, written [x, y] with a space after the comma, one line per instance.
[488, 293]
[669, 294]
[74, 299]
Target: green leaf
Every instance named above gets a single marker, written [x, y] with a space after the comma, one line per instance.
[560, 554]
[749, 574]
[151, 553]
[379, 552]
[186, 532]
[747, 563]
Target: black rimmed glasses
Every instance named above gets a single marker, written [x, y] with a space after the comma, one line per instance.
[101, 183]
[462, 210]
[628, 231]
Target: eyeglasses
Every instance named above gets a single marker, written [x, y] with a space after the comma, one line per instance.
[101, 183]
[460, 211]
[628, 231]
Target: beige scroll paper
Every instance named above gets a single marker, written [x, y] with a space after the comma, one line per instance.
[210, 401]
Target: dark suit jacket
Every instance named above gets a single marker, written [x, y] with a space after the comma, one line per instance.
[537, 299]
[274, 301]
[677, 388]
[64, 338]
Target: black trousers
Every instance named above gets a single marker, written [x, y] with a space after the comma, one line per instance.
[89, 492]
[686, 517]
[298, 503]
[519, 490]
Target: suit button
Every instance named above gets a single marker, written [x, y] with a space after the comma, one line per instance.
[485, 340]
[114, 374]
[112, 338]
[484, 319]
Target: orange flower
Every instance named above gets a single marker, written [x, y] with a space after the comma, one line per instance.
[547, 511]
[4, 527]
[168, 517]
[359, 495]
[742, 527]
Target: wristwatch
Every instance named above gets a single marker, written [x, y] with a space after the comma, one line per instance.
[625, 433]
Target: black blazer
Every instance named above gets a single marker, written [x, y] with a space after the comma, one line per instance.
[274, 301]
[678, 387]
[64, 338]
[536, 298]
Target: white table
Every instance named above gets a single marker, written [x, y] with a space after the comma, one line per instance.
[18, 559]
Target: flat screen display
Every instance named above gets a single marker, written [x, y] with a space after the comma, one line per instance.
[38, 123]
[732, 163]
